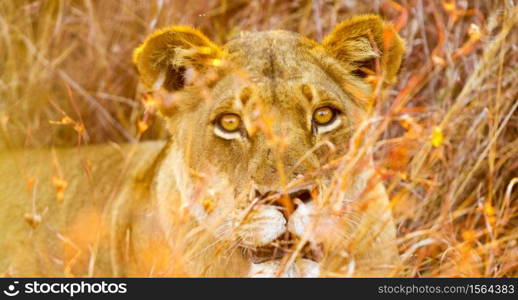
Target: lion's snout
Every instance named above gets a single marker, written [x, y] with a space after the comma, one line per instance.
[278, 217]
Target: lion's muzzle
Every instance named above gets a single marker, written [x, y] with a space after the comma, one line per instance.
[277, 226]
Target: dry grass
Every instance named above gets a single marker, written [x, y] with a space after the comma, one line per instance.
[447, 143]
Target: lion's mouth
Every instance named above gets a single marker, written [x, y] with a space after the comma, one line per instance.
[284, 247]
[287, 243]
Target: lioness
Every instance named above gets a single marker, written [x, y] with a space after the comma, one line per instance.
[247, 185]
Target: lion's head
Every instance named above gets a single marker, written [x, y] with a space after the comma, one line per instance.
[255, 123]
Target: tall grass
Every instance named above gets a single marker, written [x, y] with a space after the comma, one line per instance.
[446, 145]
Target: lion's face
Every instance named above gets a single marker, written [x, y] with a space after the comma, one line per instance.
[253, 124]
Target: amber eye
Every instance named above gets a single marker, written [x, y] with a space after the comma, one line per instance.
[229, 122]
[324, 115]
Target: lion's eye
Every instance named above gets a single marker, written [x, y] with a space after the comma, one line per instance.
[228, 126]
[325, 119]
[323, 115]
[229, 122]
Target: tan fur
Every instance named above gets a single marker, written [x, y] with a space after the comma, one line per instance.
[188, 208]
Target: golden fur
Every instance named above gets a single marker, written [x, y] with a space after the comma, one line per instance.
[202, 203]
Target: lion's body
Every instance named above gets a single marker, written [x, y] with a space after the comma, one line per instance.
[219, 195]
[97, 177]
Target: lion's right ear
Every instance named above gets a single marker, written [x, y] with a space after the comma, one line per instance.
[165, 56]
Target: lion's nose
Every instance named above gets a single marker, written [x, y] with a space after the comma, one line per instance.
[304, 195]
[288, 201]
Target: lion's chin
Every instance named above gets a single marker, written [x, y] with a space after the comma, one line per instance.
[283, 247]
[278, 268]
[271, 260]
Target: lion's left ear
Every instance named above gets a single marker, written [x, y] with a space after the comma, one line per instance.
[166, 55]
[363, 39]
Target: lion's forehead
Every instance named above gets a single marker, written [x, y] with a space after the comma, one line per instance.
[272, 55]
[263, 42]
[276, 64]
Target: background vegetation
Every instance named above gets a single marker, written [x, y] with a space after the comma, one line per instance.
[448, 146]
